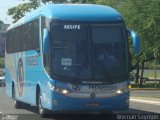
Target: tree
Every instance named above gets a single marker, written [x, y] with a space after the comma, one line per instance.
[112, 3]
[1, 24]
[19, 11]
[142, 16]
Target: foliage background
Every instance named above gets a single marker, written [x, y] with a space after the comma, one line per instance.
[143, 16]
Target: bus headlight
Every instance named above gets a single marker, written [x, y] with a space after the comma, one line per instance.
[65, 91]
[58, 89]
[121, 91]
[61, 90]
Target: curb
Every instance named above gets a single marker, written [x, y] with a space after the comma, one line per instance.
[145, 98]
[153, 102]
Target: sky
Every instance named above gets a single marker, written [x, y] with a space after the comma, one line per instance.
[5, 5]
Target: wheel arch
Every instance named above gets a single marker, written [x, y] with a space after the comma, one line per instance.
[13, 88]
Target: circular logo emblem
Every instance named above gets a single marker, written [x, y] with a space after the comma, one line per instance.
[93, 95]
[20, 77]
[76, 87]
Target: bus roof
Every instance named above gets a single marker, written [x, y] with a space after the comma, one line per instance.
[72, 12]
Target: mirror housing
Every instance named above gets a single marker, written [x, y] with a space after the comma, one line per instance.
[46, 41]
[135, 41]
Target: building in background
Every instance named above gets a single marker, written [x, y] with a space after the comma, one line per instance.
[3, 29]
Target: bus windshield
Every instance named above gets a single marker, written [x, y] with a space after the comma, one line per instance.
[89, 51]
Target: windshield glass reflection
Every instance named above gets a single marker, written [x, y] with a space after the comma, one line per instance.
[89, 52]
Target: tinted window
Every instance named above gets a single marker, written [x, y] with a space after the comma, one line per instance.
[109, 52]
[22, 38]
[93, 52]
[71, 51]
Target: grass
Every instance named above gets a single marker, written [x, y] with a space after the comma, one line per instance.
[146, 85]
[151, 74]
[2, 64]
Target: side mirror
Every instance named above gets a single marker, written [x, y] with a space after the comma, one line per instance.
[136, 42]
[46, 41]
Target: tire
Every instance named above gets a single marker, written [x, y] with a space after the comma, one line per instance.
[42, 112]
[17, 104]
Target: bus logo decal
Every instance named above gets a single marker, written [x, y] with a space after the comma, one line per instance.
[20, 77]
[76, 87]
[102, 87]
[93, 95]
[32, 61]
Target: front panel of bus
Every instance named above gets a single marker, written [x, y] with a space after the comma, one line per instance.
[89, 62]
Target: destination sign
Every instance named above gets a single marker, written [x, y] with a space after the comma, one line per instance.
[72, 27]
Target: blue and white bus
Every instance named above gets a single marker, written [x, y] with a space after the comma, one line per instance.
[69, 57]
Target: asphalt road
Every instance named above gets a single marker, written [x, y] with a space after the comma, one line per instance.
[8, 112]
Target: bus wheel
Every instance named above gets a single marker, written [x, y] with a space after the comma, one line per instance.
[41, 110]
[17, 104]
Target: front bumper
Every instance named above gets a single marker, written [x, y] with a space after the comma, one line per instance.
[62, 103]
